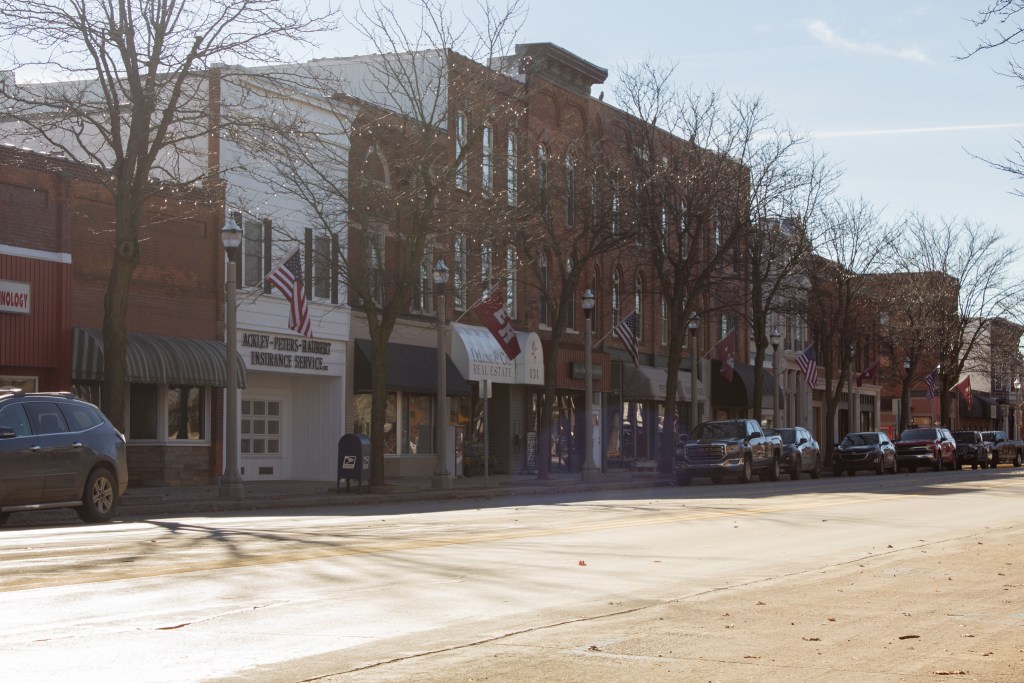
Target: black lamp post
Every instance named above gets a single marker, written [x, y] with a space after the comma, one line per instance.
[231, 485]
[442, 478]
[775, 337]
[692, 326]
[590, 468]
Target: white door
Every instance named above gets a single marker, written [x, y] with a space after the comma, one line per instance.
[260, 436]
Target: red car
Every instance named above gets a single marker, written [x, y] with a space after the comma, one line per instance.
[931, 447]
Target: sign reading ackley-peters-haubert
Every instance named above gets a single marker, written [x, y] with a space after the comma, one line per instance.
[271, 352]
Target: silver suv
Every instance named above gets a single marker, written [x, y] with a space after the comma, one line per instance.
[57, 451]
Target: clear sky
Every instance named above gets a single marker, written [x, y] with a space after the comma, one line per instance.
[875, 82]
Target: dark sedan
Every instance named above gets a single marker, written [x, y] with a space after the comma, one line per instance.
[871, 451]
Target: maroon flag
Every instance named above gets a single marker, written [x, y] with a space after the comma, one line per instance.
[726, 350]
[869, 373]
[965, 391]
[494, 316]
[287, 277]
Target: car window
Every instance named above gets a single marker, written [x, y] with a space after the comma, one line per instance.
[13, 417]
[80, 416]
[918, 435]
[860, 439]
[45, 417]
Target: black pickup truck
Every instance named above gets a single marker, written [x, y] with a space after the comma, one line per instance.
[1004, 449]
[723, 447]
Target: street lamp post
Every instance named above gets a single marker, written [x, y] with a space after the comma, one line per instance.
[590, 468]
[692, 326]
[850, 427]
[775, 337]
[442, 478]
[231, 485]
[901, 423]
[1016, 407]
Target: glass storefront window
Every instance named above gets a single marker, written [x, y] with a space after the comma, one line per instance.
[186, 410]
[418, 425]
[361, 423]
[142, 409]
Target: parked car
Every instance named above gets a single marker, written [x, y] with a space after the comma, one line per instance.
[1004, 449]
[971, 449]
[800, 452]
[57, 451]
[926, 447]
[723, 447]
[871, 451]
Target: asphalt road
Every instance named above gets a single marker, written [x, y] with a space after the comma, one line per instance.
[912, 577]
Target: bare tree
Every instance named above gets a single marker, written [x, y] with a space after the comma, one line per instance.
[380, 151]
[852, 242]
[973, 259]
[1002, 26]
[131, 98]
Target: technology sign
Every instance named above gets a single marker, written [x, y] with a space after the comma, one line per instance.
[15, 297]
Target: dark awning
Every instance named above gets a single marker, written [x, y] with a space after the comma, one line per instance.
[646, 383]
[409, 368]
[153, 359]
[739, 392]
[982, 406]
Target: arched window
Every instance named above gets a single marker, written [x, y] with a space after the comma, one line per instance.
[570, 319]
[638, 303]
[486, 159]
[511, 270]
[616, 298]
[486, 268]
[542, 177]
[512, 169]
[462, 165]
[459, 272]
[542, 268]
[570, 192]
[664, 321]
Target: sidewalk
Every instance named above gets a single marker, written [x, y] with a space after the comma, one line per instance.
[267, 495]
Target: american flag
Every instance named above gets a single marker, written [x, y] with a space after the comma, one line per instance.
[287, 277]
[627, 330]
[929, 382]
[809, 364]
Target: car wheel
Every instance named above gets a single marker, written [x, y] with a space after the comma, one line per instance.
[880, 466]
[1017, 460]
[984, 464]
[795, 469]
[99, 502]
[683, 478]
[774, 470]
[974, 465]
[851, 472]
[937, 465]
[747, 473]
[816, 472]
[717, 478]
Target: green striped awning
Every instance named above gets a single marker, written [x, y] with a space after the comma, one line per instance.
[153, 359]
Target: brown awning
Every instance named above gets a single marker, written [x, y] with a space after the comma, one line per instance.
[646, 383]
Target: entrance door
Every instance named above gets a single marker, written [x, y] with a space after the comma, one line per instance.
[260, 439]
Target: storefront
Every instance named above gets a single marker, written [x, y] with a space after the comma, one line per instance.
[409, 432]
[171, 389]
[636, 429]
[503, 391]
[568, 419]
[290, 413]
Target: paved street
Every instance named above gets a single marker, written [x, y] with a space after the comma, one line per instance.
[872, 578]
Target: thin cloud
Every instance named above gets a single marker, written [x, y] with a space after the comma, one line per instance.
[914, 131]
[828, 36]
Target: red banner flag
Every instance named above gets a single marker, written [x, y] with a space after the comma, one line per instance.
[726, 350]
[965, 391]
[494, 316]
[869, 373]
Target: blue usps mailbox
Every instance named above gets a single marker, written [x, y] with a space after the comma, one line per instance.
[353, 460]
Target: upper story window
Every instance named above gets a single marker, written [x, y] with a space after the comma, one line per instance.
[570, 192]
[542, 272]
[615, 212]
[512, 169]
[716, 232]
[486, 268]
[664, 322]
[487, 159]
[616, 301]
[638, 303]
[252, 253]
[570, 319]
[511, 270]
[422, 286]
[322, 266]
[542, 177]
[374, 260]
[459, 269]
[462, 163]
